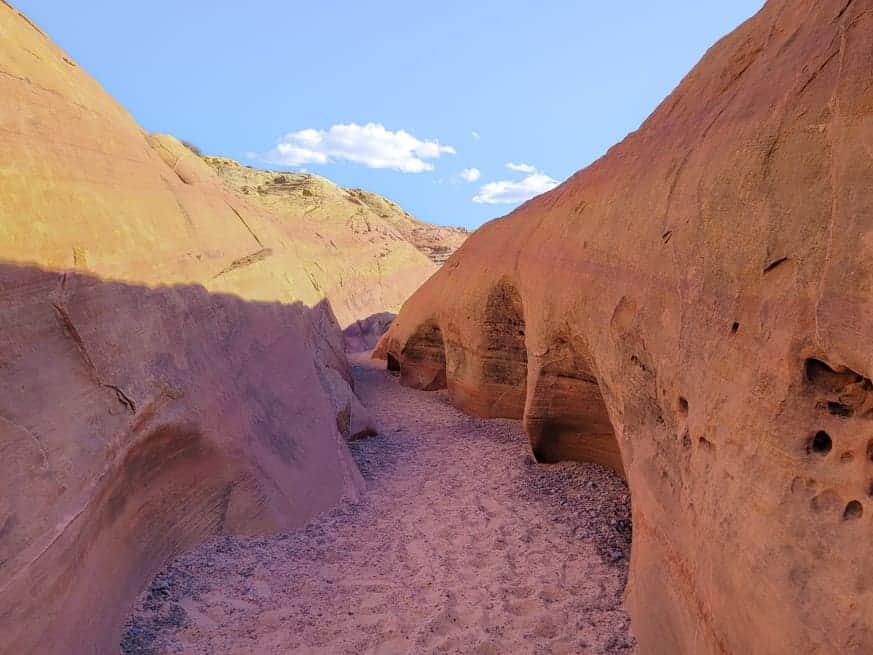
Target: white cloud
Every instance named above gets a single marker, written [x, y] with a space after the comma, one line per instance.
[370, 145]
[471, 174]
[510, 192]
[521, 168]
[475, 135]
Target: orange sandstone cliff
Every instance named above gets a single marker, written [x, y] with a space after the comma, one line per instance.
[695, 310]
[171, 359]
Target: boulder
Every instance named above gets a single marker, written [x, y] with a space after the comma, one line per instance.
[694, 310]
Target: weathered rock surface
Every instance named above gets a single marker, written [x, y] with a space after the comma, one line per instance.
[369, 255]
[170, 365]
[436, 241]
[363, 335]
[695, 309]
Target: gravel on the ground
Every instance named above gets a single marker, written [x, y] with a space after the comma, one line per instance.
[461, 543]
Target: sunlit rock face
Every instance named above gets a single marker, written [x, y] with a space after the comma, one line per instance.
[171, 360]
[364, 252]
[695, 311]
[438, 242]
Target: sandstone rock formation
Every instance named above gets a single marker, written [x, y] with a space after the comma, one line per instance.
[170, 364]
[364, 335]
[694, 309]
[390, 247]
[436, 241]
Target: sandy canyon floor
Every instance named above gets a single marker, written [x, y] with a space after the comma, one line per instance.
[460, 544]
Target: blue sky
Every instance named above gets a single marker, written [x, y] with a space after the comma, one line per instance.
[401, 98]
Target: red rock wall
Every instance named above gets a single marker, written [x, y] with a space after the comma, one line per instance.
[692, 279]
[168, 369]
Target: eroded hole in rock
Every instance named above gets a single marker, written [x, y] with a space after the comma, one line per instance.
[821, 443]
[423, 359]
[393, 363]
[567, 417]
[642, 366]
[821, 376]
[854, 510]
[841, 392]
[870, 450]
[683, 406]
[840, 409]
[735, 328]
[489, 377]
[505, 358]
[706, 445]
[686, 439]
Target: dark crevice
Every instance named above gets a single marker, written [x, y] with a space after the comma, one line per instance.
[843, 10]
[829, 380]
[686, 439]
[581, 376]
[774, 264]
[248, 260]
[67, 323]
[122, 398]
[840, 409]
[817, 71]
[636, 360]
[70, 329]
[245, 224]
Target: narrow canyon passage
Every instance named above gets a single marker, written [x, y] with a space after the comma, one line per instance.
[460, 544]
